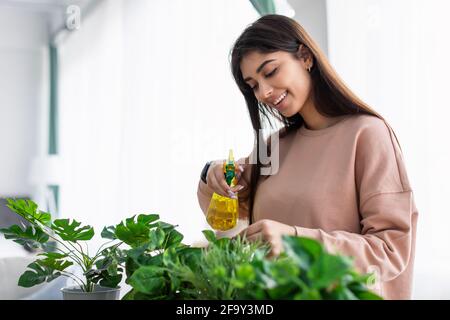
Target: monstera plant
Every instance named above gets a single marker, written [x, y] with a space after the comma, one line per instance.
[63, 243]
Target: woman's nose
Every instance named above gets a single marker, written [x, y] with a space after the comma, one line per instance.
[266, 91]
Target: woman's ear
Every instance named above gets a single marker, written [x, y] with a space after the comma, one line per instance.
[305, 56]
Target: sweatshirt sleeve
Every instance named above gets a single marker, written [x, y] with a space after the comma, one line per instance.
[386, 206]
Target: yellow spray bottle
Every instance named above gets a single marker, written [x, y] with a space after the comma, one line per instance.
[223, 212]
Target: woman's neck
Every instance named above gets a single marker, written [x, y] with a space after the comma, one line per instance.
[314, 120]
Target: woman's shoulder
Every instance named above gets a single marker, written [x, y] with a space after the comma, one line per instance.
[377, 146]
[364, 126]
[375, 135]
[367, 122]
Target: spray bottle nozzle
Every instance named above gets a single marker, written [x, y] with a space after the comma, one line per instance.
[229, 170]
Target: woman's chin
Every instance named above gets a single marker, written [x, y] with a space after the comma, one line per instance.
[287, 113]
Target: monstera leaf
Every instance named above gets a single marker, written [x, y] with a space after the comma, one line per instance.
[134, 232]
[72, 231]
[29, 211]
[32, 236]
[55, 261]
[108, 272]
[109, 233]
[46, 269]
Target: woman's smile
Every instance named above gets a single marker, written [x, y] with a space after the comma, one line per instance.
[280, 102]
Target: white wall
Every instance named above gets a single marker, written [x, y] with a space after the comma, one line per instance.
[143, 88]
[23, 73]
[312, 15]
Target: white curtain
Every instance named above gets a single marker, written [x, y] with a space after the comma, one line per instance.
[394, 55]
[146, 98]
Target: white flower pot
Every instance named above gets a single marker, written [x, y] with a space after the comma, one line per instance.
[99, 293]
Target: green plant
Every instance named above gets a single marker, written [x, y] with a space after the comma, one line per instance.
[159, 266]
[237, 269]
[63, 244]
[150, 241]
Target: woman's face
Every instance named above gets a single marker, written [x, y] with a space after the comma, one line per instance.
[278, 79]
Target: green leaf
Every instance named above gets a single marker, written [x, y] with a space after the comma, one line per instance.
[109, 233]
[111, 281]
[29, 211]
[147, 218]
[108, 270]
[72, 231]
[104, 277]
[148, 279]
[367, 295]
[327, 270]
[130, 295]
[308, 295]
[54, 255]
[303, 251]
[32, 236]
[222, 243]
[157, 237]
[245, 274]
[137, 253]
[134, 233]
[284, 292]
[284, 271]
[37, 275]
[342, 293]
[209, 235]
[189, 256]
[55, 261]
[172, 238]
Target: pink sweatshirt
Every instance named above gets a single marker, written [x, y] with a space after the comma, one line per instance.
[346, 186]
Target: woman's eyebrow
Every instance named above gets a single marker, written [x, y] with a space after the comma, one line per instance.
[258, 70]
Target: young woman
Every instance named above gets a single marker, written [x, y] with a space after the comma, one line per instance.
[341, 177]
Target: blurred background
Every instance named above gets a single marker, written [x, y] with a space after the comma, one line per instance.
[110, 108]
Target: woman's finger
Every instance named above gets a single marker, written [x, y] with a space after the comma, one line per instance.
[237, 188]
[251, 230]
[215, 185]
[255, 237]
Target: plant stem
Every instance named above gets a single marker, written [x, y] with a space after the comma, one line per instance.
[81, 248]
[74, 256]
[74, 278]
[115, 247]
[98, 251]
[49, 232]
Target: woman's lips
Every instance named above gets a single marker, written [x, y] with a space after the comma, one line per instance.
[280, 106]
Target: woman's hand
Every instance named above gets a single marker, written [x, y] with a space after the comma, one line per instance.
[215, 179]
[268, 231]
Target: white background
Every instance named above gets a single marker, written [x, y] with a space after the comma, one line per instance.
[145, 87]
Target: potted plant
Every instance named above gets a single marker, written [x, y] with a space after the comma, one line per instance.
[236, 269]
[62, 243]
[158, 265]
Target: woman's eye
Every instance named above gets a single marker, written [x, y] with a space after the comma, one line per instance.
[271, 73]
[267, 76]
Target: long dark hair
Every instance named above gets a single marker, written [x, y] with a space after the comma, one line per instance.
[331, 96]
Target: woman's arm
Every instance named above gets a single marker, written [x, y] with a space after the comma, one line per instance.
[387, 238]
[386, 206]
